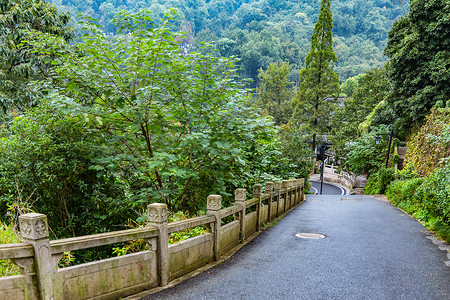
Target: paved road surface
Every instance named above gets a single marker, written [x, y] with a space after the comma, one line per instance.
[327, 189]
[371, 251]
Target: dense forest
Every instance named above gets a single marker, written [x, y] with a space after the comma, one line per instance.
[266, 31]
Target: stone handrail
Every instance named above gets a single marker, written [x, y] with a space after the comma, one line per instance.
[102, 239]
[19, 250]
[121, 276]
[190, 223]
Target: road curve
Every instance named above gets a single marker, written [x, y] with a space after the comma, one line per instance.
[372, 250]
[327, 189]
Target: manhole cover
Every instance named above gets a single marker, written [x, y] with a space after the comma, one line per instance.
[305, 235]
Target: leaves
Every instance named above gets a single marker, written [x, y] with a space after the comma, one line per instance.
[20, 66]
[428, 148]
[418, 49]
[176, 121]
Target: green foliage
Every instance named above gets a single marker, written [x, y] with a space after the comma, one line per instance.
[364, 110]
[435, 194]
[19, 67]
[402, 193]
[427, 199]
[350, 85]
[379, 181]
[429, 147]
[419, 49]
[275, 92]
[8, 236]
[363, 155]
[175, 237]
[45, 166]
[182, 235]
[318, 80]
[272, 30]
[177, 122]
[295, 153]
[408, 172]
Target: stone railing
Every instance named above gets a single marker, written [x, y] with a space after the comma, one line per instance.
[125, 275]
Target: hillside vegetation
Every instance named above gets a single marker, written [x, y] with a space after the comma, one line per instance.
[265, 31]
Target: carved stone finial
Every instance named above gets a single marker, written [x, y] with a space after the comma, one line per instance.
[268, 188]
[284, 184]
[33, 226]
[157, 213]
[257, 190]
[291, 183]
[240, 195]
[214, 202]
[277, 185]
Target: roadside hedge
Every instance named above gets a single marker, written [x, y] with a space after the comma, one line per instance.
[426, 198]
[379, 181]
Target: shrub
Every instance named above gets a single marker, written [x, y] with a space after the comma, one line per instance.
[394, 191]
[378, 182]
[45, 165]
[427, 199]
[435, 194]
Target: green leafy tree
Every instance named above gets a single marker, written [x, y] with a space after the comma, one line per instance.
[19, 66]
[318, 80]
[419, 51]
[364, 155]
[176, 121]
[365, 110]
[350, 85]
[275, 92]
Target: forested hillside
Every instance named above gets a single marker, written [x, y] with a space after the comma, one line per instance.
[265, 31]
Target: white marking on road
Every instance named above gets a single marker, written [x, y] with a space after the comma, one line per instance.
[317, 192]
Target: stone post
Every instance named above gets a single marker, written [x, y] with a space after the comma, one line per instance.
[157, 216]
[292, 192]
[268, 190]
[284, 186]
[214, 204]
[302, 189]
[277, 188]
[288, 195]
[240, 196]
[34, 230]
[297, 191]
[257, 191]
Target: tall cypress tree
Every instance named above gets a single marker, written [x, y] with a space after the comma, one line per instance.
[318, 80]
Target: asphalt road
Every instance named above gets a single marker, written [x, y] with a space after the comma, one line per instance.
[327, 189]
[371, 250]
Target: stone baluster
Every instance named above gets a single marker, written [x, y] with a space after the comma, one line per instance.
[257, 192]
[297, 191]
[302, 189]
[268, 190]
[157, 216]
[240, 196]
[214, 204]
[284, 187]
[291, 193]
[34, 230]
[277, 188]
